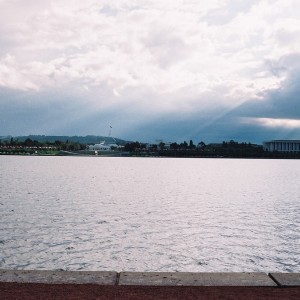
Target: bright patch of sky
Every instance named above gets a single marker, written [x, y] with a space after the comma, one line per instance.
[275, 123]
[150, 68]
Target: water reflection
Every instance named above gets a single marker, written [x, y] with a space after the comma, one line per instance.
[146, 214]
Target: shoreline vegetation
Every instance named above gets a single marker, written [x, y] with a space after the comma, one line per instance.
[78, 146]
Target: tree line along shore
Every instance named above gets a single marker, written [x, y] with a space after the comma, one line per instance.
[226, 149]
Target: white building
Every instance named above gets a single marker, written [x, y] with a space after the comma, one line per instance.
[282, 145]
[103, 146]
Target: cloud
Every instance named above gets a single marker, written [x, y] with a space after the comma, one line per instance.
[158, 60]
[12, 75]
[273, 123]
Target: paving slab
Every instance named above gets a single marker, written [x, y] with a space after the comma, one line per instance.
[286, 279]
[194, 279]
[58, 277]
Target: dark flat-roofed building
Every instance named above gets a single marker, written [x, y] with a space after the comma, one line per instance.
[282, 145]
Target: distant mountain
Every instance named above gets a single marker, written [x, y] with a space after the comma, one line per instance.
[89, 139]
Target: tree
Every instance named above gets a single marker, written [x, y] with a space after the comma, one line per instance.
[162, 145]
[154, 147]
[201, 145]
[134, 146]
[174, 146]
[28, 143]
[192, 146]
[232, 143]
[184, 145]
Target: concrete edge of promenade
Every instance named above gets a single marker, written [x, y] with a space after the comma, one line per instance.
[107, 278]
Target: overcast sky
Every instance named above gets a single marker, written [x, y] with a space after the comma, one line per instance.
[152, 69]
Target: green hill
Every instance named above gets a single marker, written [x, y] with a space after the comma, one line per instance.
[89, 139]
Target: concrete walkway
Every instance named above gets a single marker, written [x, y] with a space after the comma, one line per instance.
[15, 284]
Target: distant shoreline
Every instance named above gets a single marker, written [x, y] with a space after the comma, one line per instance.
[111, 147]
[120, 155]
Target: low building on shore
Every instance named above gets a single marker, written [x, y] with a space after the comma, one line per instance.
[282, 145]
[104, 146]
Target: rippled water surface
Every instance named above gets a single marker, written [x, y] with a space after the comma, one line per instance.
[149, 214]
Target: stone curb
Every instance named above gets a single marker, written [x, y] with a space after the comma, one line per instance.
[58, 277]
[195, 279]
[152, 278]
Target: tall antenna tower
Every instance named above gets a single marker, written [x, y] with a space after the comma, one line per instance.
[109, 133]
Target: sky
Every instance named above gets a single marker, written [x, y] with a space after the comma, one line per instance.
[151, 69]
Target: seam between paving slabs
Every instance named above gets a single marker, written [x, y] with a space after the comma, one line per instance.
[118, 278]
[274, 279]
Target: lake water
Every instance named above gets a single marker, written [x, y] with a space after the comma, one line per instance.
[149, 214]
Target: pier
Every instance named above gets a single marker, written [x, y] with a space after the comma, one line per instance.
[41, 284]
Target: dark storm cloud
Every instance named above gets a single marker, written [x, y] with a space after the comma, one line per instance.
[281, 106]
[283, 102]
